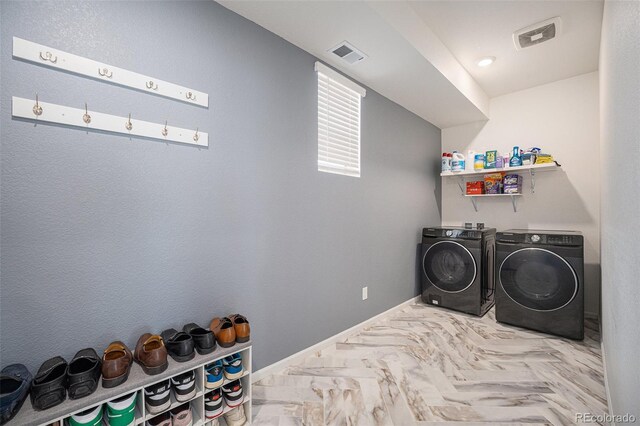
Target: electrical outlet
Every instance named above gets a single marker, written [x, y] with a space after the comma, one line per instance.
[365, 293]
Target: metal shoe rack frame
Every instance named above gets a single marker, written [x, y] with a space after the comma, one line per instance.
[137, 381]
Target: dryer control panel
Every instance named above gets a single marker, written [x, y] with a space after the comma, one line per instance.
[541, 238]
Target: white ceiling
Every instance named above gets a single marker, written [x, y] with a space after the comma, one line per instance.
[422, 54]
[394, 67]
[473, 29]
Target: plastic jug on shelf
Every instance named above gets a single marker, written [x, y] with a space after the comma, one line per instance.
[446, 162]
[457, 162]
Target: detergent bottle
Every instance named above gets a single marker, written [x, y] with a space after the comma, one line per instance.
[471, 157]
[516, 159]
[446, 162]
[457, 162]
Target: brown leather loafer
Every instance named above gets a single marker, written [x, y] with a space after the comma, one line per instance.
[224, 331]
[241, 327]
[151, 354]
[116, 364]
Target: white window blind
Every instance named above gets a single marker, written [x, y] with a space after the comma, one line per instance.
[338, 123]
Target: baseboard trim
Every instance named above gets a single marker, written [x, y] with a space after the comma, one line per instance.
[606, 381]
[292, 359]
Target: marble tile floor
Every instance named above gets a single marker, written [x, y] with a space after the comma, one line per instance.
[423, 365]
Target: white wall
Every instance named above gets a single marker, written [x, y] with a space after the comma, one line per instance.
[620, 151]
[562, 119]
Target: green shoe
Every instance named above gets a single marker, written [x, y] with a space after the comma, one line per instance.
[122, 411]
[90, 417]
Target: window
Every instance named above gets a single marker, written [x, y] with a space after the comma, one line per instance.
[338, 123]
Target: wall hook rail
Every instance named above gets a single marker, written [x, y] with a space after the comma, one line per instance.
[81, 119]
[65, 61]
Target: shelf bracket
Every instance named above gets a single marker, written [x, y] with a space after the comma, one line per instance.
[513, 201]
[533, 181]
[461, 184]
[475, 204]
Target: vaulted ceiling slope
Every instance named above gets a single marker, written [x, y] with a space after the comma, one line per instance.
[423, 54]
[445, 95]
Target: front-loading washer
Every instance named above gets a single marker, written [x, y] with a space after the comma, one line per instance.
[458, 266]
[540, 278]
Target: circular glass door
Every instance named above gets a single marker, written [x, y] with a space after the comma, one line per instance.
[538, 279]
[449, 266]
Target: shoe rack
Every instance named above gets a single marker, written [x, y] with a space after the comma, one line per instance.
[137, 381]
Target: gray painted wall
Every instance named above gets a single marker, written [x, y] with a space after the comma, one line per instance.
[106, 238]
[620, 150]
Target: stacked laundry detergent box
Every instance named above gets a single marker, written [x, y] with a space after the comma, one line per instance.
[493, 183]
[512, 184]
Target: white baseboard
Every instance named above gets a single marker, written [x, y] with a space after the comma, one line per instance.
[606, 381]
[298, 356]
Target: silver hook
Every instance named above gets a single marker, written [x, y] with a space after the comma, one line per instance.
[48, 56]
[191, 96]
[165, 131]
[86, 117]
[128, 124]
[196, 136]
[151, 85]
[104, 72]
[37, 109]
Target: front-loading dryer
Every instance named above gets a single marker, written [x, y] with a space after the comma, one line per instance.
[458, 267]
[540, 278]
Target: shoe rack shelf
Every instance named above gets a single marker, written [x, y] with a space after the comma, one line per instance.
[137, 381]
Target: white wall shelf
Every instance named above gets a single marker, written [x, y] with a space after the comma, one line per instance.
[58, 59]
[91, 120]
[137, 381]
[532, 169]
[529, 168]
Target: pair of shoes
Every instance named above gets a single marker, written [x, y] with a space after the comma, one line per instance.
[15, 381]
[231, 329]
[151, 354]
[230, 393]
[181, 344]
[121, 411]
[55, 376]
[229, 367]
[235, 417]
[116, 364]
[90, 417]
[157, 397]
[179, 416]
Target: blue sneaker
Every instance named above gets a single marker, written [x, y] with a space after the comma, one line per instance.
[214, 375]
[15, 381]
[233, 366]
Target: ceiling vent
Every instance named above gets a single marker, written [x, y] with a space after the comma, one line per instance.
[538, 33]
[348, 53]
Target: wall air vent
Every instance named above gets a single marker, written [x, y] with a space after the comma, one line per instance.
[348, 53]
[538, 33]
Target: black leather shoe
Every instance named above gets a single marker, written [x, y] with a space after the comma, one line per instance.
[84, 373]
[49, 386]
[179, 345]
[204, 339]
[15, 381]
